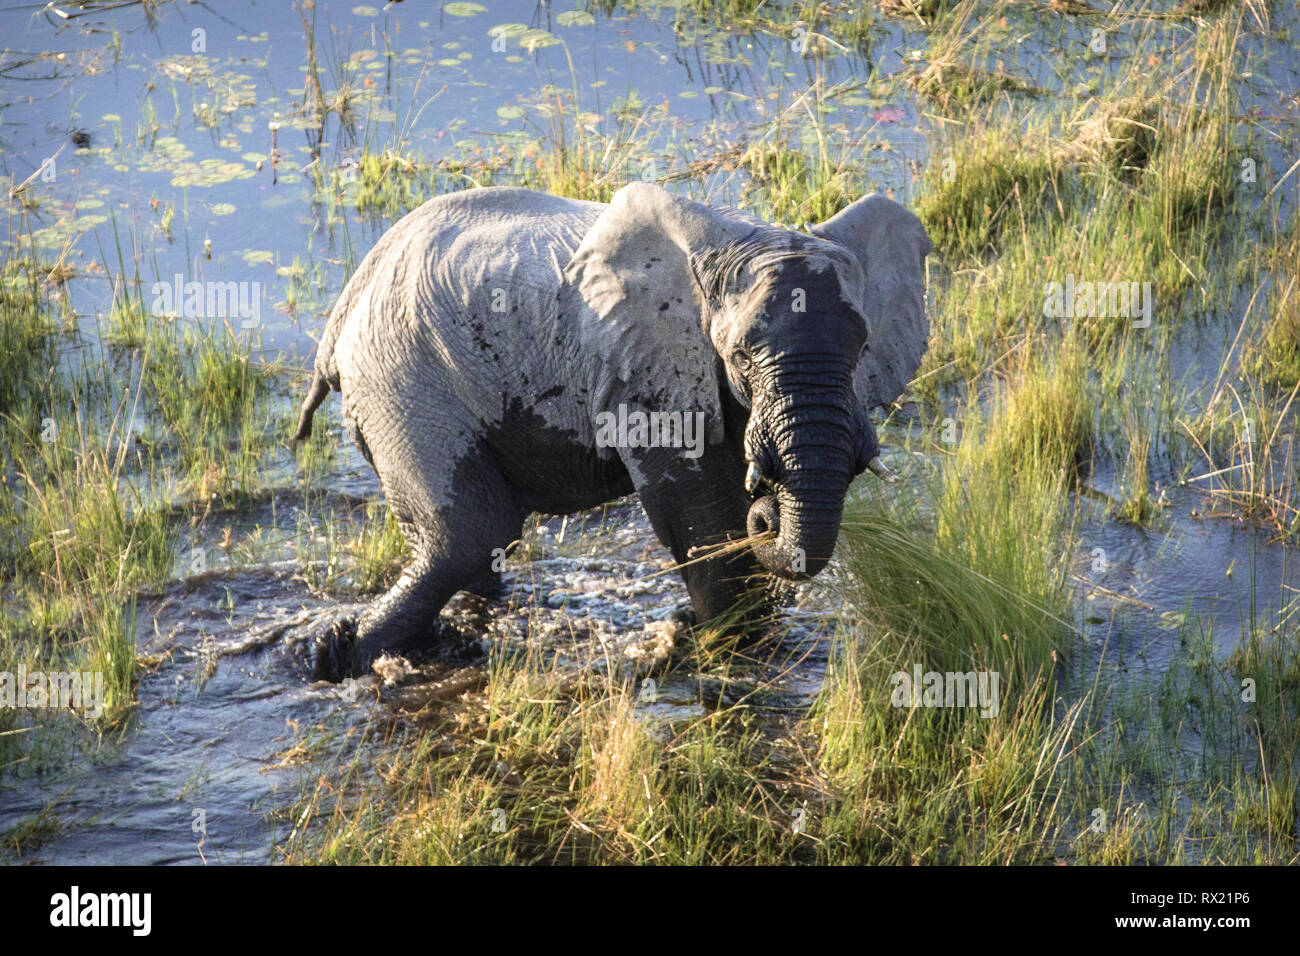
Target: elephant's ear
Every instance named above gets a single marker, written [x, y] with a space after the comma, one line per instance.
[640, 306]
[890, 243]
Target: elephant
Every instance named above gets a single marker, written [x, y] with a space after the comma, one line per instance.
[502, 351]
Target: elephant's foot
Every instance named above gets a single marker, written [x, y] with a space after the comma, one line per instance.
[345, 648]
[333, 651]
[490, 587]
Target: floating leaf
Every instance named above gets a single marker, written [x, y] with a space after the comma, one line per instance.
[510, 112]
[365, 12]
[459, 9]
[1172, 620]
[575, 18]
[209, 172]
[223, 209]
[536, 39]
[255, 256]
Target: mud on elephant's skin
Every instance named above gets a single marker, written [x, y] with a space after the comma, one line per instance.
[485, 342]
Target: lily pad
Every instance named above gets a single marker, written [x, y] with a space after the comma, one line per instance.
[459, 9]
[537, 39]
[575, 18]
[209, 172]
[510, 112]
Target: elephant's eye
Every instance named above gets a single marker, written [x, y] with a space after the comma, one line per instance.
[741, 359]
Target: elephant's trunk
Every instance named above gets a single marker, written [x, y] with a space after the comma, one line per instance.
[816, 447]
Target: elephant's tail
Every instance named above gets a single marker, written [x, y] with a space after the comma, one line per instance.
[320, 387]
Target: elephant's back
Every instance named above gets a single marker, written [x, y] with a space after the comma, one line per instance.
[499, 227]
[459, 298]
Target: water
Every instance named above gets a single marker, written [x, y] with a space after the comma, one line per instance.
[137, 107]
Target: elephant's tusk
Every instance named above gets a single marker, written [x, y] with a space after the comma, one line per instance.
[880, 471]
[752, 477]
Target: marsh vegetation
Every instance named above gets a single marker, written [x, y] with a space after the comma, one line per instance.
[1100, 507]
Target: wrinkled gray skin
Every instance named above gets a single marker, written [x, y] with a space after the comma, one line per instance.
[486, 330]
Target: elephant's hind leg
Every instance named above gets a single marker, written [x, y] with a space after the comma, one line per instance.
[452, 547]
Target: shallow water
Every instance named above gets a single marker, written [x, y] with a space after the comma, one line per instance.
[229, 713]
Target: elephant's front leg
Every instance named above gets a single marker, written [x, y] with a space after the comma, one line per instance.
[696, 507]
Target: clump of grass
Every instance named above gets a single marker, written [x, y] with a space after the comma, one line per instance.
[29, 342]
[391, 184]
[1248, 444]
[546, 767]
[921, 9]
[961, 72]
[585, 160]
[792, 188]
[380, 550]
[84, 525]
[992, 176]
[1117, 136]
[76, 536]
[1042, 421]
[1137, 505]
[953, 85]
[1275, 357]
[1267, 667]
[208, 404]
[1137, 189]
[985, 587]
[933, 784]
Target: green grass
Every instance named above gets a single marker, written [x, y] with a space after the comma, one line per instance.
[76, 536]
[1274, 358]
[99, 457]
[965, 566]
[380, 550]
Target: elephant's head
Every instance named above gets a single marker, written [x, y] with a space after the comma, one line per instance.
[804, 333]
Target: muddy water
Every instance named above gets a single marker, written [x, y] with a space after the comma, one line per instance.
[228, 715]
